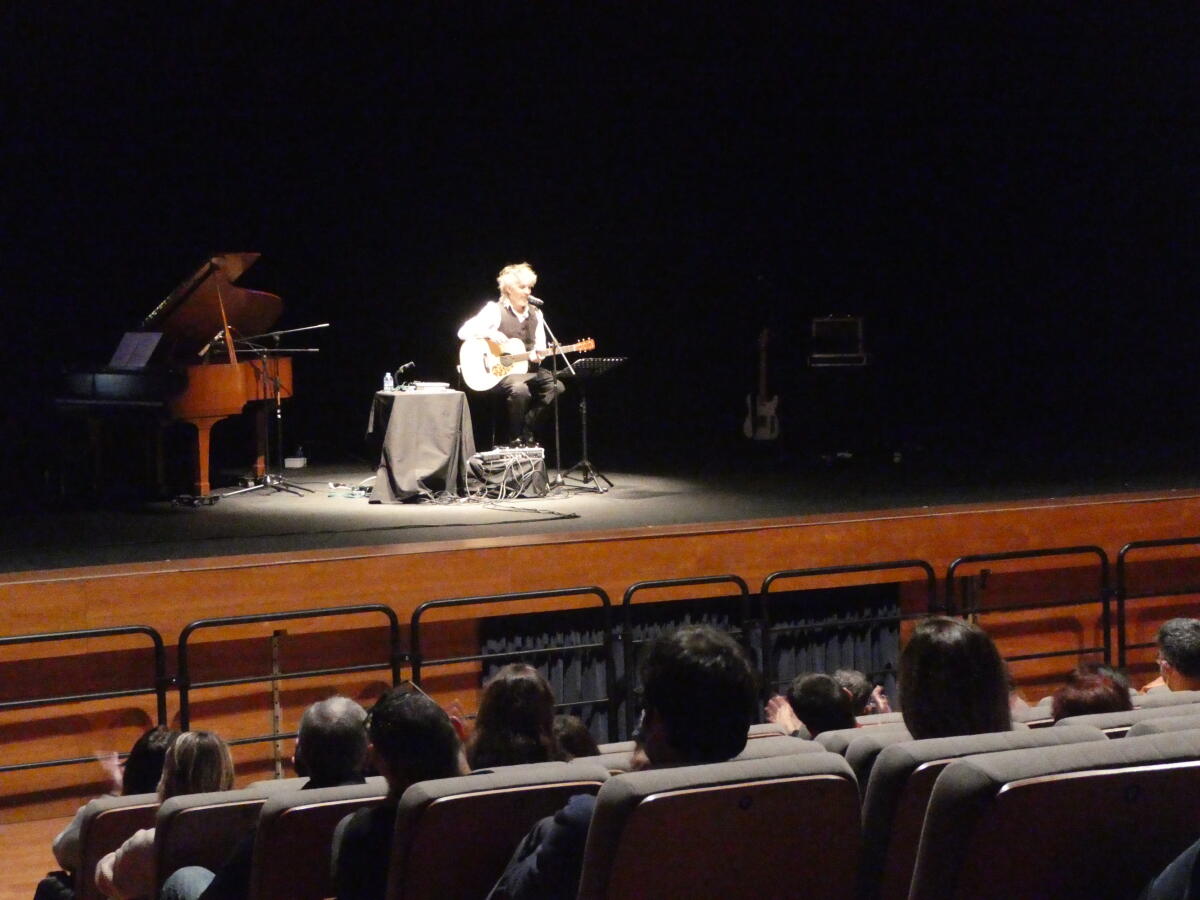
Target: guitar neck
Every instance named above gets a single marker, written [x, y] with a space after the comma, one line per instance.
[550, 351]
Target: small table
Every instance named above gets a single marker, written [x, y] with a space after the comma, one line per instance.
[427, 440]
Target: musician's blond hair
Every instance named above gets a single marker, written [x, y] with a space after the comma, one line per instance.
[513, 273]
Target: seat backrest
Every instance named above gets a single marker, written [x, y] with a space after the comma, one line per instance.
[454, 836]
[897, 794]
[106, 824]
[1155, 699]
[864, 748]
[870, 720]
[765, 729]
[203, 829]
[1164, 724]
[294, 837]
[838, 740]
[1033, 716]
[758, 748]
[1096, 819]
[1115, 724]
[784, 826]
[271, 786]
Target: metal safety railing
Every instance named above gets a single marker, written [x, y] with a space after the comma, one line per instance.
[1124, 595]
[185, 684]
[969, 595]
[419, 662]
[158, 685]
[765, 603]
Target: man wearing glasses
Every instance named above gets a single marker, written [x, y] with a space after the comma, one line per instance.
[1178, 643]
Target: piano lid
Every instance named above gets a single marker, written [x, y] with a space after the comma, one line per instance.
[190, 316]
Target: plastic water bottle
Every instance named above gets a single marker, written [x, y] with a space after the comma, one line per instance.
[388, 384]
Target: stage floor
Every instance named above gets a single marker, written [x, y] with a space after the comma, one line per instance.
[749, 487]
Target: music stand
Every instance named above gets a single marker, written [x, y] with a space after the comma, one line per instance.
[587, 369]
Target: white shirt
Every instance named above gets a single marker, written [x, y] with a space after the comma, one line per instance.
[487, 321]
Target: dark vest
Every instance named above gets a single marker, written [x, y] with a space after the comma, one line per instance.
[511, 327]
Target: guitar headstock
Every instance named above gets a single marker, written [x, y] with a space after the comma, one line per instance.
[585, 345]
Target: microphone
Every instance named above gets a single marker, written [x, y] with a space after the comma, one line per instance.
[404, 368]
[537, 301]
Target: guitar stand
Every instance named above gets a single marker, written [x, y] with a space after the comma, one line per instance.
[589, 476]
[274, 482]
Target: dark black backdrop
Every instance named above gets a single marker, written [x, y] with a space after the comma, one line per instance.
[1007, 196]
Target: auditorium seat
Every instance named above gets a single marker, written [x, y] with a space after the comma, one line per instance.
[1156, 699]
[765, 729]
[873, 719]
[1095, 819]
[1164, 724]
[454, 836]
[202, 829]
[271, 786]
[864, 748]
[294, 836]
[759, 748]
[897, 793]
[615, 747]
[1115, 724]
[106, 824]
[784, 826]
[838, 740]
[1034, 716]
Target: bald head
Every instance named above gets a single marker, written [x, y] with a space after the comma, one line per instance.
[332, 746]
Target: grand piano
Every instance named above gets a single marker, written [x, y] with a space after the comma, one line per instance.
[182, 365]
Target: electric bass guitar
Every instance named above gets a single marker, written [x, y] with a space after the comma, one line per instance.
[762, 424]
[484, 362]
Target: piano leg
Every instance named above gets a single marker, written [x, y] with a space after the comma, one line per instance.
[260, 440]
[203, 439]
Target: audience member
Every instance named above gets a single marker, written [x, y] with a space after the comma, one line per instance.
[868, 699]
[138, 774]
[196, 762]
[1084, 694]
[816, 702]
[515, 722]
[699, 698]
[1092, 667]
[1178, 642]
[1178, 881]
[411, 739]
[573, 736]
[330, 750]
[952, 681]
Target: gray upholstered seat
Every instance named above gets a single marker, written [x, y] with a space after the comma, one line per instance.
[1096, 819]
[106, 824]
[838, 740]
[454, 836]
[864, 748]
[293, 841]
[1156, 699]
[758, 748]
[784, 826]
[873, 719]
[1164, 724]
[765, 729]
[202, 829]
[1115, 724]
[897, 793]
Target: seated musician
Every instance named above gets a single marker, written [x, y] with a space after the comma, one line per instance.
[529, 395]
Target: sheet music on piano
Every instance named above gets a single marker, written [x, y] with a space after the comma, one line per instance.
[135, 350]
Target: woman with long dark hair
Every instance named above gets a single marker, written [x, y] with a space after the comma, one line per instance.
[515, 722]
[952, 681]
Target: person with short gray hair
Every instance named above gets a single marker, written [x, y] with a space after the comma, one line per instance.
[1178, 642]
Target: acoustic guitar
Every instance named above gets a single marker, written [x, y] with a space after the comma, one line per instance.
[762, 424]
[484, 362]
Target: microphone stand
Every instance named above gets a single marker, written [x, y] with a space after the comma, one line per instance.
[276, 482]
[558, 478]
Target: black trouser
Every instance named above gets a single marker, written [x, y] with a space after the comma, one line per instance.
[526, 399]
